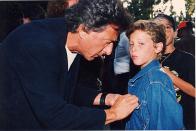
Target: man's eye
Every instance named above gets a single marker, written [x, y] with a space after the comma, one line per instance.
[141, 43]
[107, 43]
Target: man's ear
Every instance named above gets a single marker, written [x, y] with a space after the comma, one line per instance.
[81, 31]
[158, 47]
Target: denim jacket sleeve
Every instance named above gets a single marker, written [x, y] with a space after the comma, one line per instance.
[165, 112]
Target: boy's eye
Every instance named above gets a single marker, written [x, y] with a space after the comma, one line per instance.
[131, 45]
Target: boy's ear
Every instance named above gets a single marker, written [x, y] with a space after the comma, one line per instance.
[158, 47]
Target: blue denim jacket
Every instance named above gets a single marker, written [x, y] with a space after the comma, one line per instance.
[158, 107]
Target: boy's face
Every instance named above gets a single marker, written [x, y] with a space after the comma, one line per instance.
[142, 48]
[96, 44]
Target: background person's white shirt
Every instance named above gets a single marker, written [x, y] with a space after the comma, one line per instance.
[122, 55]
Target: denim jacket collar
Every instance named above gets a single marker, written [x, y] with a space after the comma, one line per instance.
[153, 64]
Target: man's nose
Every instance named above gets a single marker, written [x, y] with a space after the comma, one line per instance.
[108, 49]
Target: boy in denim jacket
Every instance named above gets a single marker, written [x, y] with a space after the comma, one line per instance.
[158, 109]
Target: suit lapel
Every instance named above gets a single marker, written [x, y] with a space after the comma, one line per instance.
[73, 76]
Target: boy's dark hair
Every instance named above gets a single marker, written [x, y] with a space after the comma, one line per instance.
[155, 30]
[95, 14]
[168, 18]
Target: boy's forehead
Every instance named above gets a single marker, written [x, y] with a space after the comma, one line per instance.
[140, 34]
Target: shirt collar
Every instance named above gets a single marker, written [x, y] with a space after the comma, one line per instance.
[143, 71]
[70, 57]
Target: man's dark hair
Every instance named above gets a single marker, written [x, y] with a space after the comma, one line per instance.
[169, 18]
[95, 14]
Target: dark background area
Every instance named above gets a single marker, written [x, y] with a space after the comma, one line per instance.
[11, 13]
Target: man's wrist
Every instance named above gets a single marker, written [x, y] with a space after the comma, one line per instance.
[102, 101]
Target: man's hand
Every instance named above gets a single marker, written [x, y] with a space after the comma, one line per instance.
[111, 98]
[122, 107]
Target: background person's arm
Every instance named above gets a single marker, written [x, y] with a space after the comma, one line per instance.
[181, 84]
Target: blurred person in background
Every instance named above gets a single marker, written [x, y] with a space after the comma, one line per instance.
[56, 8]
[187, 37]
[31, 11]
[182, 64]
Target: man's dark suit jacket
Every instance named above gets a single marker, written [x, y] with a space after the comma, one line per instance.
[36, 89]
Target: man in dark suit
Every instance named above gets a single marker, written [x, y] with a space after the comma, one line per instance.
[39, 70]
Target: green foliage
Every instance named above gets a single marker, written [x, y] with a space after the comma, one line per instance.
[181, 17]
[190, 9]
[138, 10]
[143, 9]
